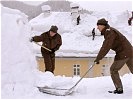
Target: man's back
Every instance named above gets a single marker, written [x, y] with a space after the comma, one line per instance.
[120, 44]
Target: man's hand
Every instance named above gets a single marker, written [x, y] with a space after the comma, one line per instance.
[52, 50]
[31, 39]
[97, 62]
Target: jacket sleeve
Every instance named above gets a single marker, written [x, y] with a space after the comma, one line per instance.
[38, 38]
[59, 43]
[107, 45]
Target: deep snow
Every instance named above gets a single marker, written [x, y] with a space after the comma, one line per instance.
[19, 74]
[77, 39]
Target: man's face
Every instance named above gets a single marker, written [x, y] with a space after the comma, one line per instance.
[100, 27]
[52, 33]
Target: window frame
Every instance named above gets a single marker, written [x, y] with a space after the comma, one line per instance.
[76, 69]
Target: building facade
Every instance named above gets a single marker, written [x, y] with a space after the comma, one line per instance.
[75, 66]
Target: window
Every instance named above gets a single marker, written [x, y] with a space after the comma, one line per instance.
[104, 70]
[76, 70]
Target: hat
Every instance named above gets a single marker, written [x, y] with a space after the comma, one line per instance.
[102, 22]
[54, 29]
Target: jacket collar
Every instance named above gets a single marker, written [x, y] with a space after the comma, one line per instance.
[104, 30]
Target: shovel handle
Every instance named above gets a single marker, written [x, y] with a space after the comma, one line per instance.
[42, 46]
[83, 76]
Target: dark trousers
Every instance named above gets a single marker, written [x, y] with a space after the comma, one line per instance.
[93, 35]
[116, 66]
[49, 61]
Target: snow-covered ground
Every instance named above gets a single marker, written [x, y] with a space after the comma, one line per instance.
[19, 74]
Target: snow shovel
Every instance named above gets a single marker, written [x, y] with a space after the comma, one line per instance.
[42, 46]
[62, 92]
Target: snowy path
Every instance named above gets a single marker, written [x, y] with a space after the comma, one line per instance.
[90, 88]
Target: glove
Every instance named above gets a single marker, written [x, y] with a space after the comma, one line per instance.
[96, 62]
[31, 40]
[52, 50]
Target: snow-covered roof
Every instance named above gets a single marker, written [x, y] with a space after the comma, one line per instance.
[76, 55]
[76, 39]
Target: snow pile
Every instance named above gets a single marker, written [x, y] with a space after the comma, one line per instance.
[19, 68]
[46, 8]
[21, 16]
[72, 5]
[45, 79]
[64, 23]
[115, 18]
[48, 79]
[79, 41]
[18, 60]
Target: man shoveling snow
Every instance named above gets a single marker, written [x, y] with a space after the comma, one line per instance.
[124, 52]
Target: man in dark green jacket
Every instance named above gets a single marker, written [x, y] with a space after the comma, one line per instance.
[124, 52]
[51, 40]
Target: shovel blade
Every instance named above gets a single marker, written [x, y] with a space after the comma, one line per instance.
[55, 91]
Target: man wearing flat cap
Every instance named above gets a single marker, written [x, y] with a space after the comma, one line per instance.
[124, 52]
[51, 40]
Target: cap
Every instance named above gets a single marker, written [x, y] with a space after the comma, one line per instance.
[102, 22]
[54, 29]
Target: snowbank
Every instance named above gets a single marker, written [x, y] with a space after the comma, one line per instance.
[18, 60]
